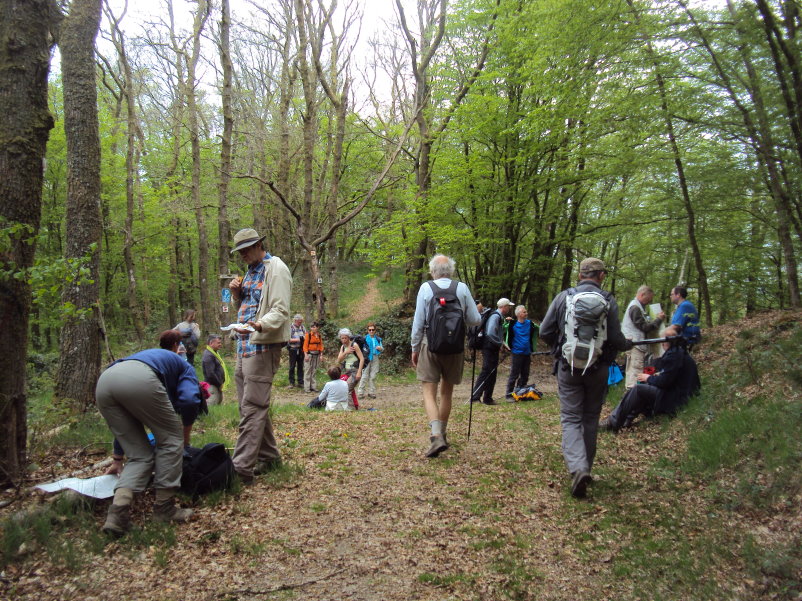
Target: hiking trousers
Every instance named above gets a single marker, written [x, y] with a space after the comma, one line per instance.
[369, 377]
[486, 381]
[581, 399]
[519, 372]
[130, 397]
[256, 441]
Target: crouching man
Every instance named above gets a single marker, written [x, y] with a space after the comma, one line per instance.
[675, 380]
[145, 390]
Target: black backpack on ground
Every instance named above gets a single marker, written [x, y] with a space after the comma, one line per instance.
[477, 334]
[206, 469]
[316, 403]
[364, 347]
[445, 324]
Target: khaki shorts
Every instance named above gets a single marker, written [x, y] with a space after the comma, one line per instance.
[433, 368]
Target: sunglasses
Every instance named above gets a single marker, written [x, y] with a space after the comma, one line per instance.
[371, 329]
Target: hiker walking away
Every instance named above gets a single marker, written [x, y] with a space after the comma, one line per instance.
[263, 295]
[491, 349]
[313, 351]
[674, 381]
[148, 390]
[372, 368]
[190, 335]
[295, 346]
[582, 327]
[637, 326]
[520, 338]
[214, 369]
[686, 316]
[437, 363]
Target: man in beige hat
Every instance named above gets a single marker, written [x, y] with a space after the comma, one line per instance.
[493, 340]
[263, 295]
[582, 379]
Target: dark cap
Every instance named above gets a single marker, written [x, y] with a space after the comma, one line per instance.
[590, 265]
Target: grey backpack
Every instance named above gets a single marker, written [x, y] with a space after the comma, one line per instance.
[585, 328]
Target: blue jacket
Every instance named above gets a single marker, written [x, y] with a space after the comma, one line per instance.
[373, 342]
[177, 375]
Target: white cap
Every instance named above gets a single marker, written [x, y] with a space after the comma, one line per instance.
[504, 302]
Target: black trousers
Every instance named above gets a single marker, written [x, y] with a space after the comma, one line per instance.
[297, 366]
[487, 377]
[519, 372]
[638, 400]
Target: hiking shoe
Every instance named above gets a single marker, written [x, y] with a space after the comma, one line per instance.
[606, 424]
[263, 467]
[490, 402]
[245, 479]
[579, 485]
[118, 520]
[439, 445]
[168, 511]
[509, 398]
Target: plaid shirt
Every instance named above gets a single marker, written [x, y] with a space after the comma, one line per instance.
[252, 285]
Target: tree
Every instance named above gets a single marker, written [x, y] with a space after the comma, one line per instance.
[25, 122]
[79, 354]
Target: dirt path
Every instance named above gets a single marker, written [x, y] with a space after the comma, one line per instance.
[369, 304]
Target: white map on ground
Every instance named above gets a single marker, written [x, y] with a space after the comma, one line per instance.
[99, 487]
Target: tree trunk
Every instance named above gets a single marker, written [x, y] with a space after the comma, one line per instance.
[79, 356]
[223, 232]
[208, 319]
[25, 123]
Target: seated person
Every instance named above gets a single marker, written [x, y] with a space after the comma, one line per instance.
[336, 393]
[675, 380]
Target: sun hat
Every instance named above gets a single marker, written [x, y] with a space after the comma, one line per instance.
[245, 238]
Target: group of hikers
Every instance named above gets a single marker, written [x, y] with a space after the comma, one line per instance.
[158, 390]
[585, 335]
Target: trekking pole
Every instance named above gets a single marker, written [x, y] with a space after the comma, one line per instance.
[470, 411]
[655, 340]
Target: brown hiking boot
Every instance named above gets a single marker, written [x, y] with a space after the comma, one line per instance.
[579, 484]
[118, 520]
[438, 445]
[168, 511]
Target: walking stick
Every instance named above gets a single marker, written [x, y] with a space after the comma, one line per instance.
[470, 411]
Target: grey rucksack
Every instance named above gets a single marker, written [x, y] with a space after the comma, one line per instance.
[585, 328]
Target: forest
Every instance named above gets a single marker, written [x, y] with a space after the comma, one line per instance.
[519, 137]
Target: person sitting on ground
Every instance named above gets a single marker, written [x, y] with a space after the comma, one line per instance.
[214, 369]
[674, 381]
[313, 351]
[351, 358]
[335, 393]
[142, 391]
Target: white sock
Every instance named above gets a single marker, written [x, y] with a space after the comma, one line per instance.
[437, 427]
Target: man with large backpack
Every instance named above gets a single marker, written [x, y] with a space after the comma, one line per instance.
[443, 310]
[583, 330]
[494, 331]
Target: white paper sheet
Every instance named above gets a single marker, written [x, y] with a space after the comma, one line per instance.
[239, 326]
[655, 309]
[99, 487]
